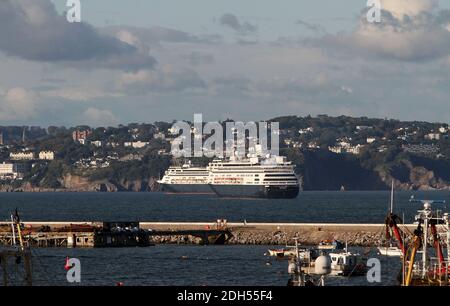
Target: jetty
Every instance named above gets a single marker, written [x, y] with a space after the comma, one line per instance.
[110, 234]
[141, 234]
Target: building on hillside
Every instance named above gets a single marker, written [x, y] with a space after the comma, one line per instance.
[345, 147]
[363, 127]
[335, 149]
[173, 130]
[159, 136]
[136, 144]
[433, 136]
[306, 131]
[21, 156]
[421, 149]
[97, 143]
[443, 129]
[81, 136]
[46, 155]
[12, 171]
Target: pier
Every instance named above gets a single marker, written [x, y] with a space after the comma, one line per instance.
[135, 234]
[111, 234]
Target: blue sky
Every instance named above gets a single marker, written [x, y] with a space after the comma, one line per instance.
[147, 60]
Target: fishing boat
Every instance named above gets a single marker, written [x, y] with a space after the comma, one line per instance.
[344, 263]
[283, 252]
[421, 268]
[331, 245]
[392, 251]
[301, 274]
[294, 251]
[16, 258]
[347, 264]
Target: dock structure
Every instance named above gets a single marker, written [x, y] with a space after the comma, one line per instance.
[135, 234]
[106, 234]
[205, 236]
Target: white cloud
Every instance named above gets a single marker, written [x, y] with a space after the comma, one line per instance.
[17, 103]
[78, 93]
[400, 8]
[165, 80]
[347, 89]
[33, 30]
[97, 117]
[410, 30]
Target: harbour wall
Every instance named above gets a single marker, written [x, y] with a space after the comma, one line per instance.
[284, 233]
[258, 233]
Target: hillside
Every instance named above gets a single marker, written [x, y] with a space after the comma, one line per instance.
[330, 153]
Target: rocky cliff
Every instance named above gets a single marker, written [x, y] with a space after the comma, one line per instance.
[323, 170]
[319, 170]
[416, 174]
[79, 183]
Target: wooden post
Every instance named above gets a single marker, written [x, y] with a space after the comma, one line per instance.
[5, 276]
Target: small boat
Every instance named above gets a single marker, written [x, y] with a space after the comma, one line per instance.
[331, 245]
[347, 264]
[305, 275]
[305, 254]
[390, 251]
[288, 251]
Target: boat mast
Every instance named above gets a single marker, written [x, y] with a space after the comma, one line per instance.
[427, 210]
[13, 231]
[447, 238]
[392, 197]
[425, 215]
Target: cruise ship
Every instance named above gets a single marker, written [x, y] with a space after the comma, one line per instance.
[186, 179]
[253, 177]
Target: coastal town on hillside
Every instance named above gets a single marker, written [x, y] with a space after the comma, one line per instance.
[42, 156]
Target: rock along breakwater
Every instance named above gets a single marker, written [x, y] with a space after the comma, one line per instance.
[366, 235]
[282, 234]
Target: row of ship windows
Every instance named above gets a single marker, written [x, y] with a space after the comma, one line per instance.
[271, 169]
[267, 177]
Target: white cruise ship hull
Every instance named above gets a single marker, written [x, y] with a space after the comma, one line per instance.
[235, 191]
[187, 188]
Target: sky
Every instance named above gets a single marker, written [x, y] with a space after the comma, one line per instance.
[149, 60]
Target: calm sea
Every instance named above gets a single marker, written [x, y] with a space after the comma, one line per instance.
[196, 265]
[332, 207]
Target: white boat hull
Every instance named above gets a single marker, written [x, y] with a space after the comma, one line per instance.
[390, 251]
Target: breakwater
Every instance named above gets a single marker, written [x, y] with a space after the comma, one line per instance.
[365, 235]
[282, 233]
